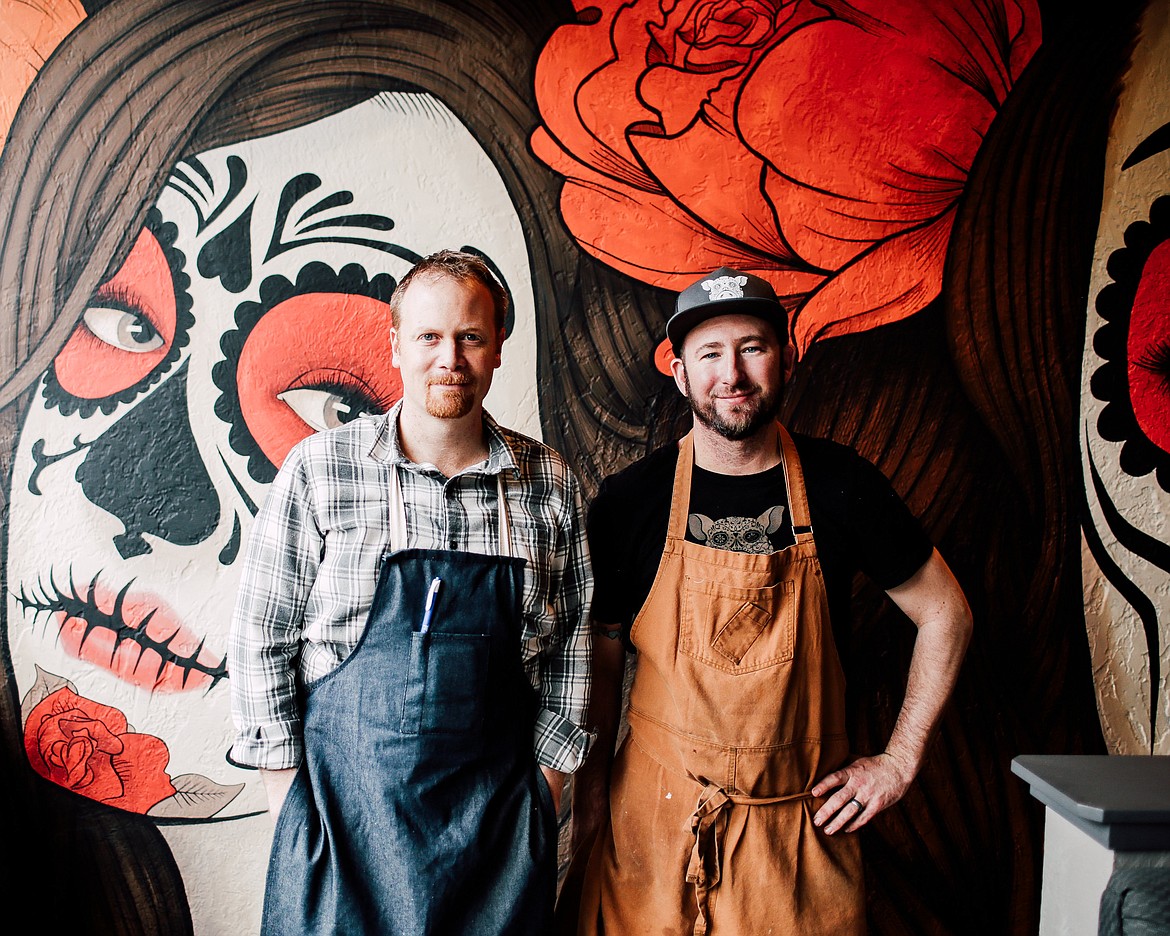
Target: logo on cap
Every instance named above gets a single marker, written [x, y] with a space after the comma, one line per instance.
[725, 287]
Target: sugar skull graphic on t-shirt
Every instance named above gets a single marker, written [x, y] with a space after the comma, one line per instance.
[738, 534]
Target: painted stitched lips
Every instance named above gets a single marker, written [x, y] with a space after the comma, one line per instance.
[132, 635]
[822, 146]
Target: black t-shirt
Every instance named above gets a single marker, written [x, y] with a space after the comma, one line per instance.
[859, 524]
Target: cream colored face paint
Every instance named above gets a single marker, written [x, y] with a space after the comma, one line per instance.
[251, 313]
[1125, 412]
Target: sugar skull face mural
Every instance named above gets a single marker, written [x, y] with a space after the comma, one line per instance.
[1126, 414]
[251, 311]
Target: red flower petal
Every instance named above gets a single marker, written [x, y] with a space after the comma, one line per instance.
[84, 746]
[897, 278]
[142, 768]
[794, 139]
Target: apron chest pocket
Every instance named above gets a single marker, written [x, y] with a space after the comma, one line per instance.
[446, 686]
[738, 630]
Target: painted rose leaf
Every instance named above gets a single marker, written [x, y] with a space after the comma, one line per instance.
[821, 145]
[196, 797]
[89, 748]
[43, 686]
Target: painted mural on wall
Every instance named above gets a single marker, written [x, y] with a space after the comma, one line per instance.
[820, 145]
[1126, 412]
[202, 226]
[241, 306]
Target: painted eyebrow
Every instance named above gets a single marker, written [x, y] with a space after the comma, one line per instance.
[1157, 142]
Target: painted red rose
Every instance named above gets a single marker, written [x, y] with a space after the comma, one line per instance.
[88, 748]
[820, 145]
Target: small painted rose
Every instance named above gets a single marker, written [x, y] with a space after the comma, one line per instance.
[89, 748]
[822, 146]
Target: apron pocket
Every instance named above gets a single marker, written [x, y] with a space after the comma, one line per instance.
[738, 630]
[736, 637]
[446, 687]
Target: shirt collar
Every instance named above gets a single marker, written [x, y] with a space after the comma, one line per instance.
[387, 445]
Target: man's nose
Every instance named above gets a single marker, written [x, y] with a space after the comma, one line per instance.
[450, 354]
[732, 368]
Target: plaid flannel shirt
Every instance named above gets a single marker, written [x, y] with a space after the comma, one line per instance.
[312, 561]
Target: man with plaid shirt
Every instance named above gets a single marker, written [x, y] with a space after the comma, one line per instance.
[410, 644]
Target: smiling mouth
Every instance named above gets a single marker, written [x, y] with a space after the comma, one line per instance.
[135, 637]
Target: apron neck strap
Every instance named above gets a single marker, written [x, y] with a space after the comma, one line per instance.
[398, 514]
[793, 482]
[680, 499]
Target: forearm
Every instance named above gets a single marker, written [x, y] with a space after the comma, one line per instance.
[934, 668]
[861, 789]
[935, 603]
[280, 566]
[591, 782]
[556, 784]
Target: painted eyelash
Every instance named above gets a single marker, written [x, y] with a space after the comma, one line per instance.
[54, 599]
[120, 296]
[1156, 360]
[336, 380]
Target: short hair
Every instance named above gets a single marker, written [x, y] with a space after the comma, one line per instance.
[457, 265]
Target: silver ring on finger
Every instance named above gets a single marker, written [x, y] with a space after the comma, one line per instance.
[858, 803]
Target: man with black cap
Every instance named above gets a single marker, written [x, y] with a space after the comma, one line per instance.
[725, 562]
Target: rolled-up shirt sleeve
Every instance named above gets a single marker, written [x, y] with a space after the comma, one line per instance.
[561, 741]
[280, 566]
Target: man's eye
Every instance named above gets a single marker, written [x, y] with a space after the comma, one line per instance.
[472, 338]
[129, 331]
[325, 408]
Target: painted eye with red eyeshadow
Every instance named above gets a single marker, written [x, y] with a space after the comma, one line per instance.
[1134, 381]
[308, 356]
[130, 333]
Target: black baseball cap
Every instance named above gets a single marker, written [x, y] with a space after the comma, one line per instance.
[725, 292]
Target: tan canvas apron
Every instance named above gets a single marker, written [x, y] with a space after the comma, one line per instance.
[736, 710]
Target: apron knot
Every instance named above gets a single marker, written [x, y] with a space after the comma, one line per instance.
[703, 871]
[708, 823]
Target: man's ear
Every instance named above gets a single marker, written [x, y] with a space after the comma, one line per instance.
[679, 370]
[394, 346]
[500, 346]
[789, 361]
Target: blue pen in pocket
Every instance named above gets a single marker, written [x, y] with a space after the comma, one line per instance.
[429, 609]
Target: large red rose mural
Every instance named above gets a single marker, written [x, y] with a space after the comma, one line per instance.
[88, 747]
[823, 146]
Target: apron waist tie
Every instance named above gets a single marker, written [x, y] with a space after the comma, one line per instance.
[708, 823]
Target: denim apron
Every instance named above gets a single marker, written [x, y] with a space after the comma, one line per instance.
[419, 807]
